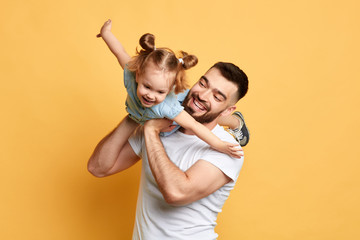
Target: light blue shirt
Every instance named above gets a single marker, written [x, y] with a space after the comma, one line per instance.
[169, 108]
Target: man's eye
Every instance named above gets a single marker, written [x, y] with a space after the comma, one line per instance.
[202, 84]
[217, 98]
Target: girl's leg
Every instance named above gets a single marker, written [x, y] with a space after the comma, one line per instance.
[237, 127]
[230, 121]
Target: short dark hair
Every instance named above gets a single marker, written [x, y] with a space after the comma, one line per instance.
[234, 74]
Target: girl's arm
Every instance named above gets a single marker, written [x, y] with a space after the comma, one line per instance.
[188, 122]
[114, 45]
[113, 153]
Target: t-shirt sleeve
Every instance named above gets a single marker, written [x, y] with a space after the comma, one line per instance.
[230, 166]
[128, 77]
[136, 141]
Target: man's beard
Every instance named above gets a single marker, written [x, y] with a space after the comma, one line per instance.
[206, 117]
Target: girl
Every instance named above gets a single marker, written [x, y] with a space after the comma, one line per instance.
[152, 78]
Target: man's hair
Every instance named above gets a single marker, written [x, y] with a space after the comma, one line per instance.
[234, 74]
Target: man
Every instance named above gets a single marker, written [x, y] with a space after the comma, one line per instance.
[184, 183]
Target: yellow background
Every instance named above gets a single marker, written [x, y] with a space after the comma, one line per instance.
[62, 91]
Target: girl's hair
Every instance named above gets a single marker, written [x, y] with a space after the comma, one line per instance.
[164, 58]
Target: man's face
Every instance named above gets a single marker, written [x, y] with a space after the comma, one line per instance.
[212, 96]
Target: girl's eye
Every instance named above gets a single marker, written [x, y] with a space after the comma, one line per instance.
[161, 92]
[147, 87]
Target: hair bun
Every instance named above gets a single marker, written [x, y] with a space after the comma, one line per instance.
[189, 60]
[147, 42]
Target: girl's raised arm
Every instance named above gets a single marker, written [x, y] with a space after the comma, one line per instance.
[114, 45]
[188, 122]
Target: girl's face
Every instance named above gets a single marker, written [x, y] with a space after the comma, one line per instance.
[153, 85]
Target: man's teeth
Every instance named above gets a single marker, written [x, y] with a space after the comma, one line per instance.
[198, 105]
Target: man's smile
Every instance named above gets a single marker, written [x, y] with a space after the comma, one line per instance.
[198, 104]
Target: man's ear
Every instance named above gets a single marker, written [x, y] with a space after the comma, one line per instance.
[228, 111]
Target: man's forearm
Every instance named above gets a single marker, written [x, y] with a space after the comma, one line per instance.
[108, 149]
[171, 180]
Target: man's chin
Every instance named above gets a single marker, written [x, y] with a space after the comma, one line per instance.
[203, 118]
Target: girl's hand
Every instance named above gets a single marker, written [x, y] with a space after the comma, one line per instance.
[106, 27]
[232, 149]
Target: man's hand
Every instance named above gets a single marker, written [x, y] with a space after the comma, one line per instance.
[105, 27]
[159, 125]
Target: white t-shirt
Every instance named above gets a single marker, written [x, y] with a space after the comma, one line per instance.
[157, 220]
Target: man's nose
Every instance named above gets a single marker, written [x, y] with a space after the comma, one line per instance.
[204, 95]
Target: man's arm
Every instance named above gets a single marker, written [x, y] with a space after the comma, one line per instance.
[113, 153]
[178, 187]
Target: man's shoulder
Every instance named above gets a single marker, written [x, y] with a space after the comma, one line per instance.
[229, 165]
[224, 135]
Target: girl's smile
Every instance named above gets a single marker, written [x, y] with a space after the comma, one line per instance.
[153, 85]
